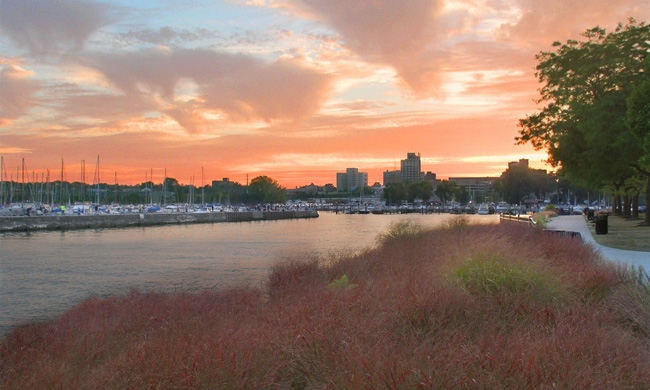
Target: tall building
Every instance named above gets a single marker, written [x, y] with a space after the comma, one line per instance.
[523, 162]
[412, 168]
[351, 179]
[392, 177]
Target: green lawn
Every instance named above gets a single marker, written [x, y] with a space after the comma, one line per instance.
[629, 234]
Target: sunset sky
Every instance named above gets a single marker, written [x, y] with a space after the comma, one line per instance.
[293, 89]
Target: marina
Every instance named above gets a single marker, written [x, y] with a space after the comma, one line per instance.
[102, 221]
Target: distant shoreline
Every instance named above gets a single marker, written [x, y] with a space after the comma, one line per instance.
[74, 222]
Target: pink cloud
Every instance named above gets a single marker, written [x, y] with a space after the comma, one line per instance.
[543, 22]
[393, 32]
[240, 87]
[421, 40]
[16, 95]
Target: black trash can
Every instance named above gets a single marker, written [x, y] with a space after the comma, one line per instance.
[601, 224]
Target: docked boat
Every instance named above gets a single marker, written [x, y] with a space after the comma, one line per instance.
[502, 207]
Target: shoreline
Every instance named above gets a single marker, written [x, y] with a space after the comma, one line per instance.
[74, 222]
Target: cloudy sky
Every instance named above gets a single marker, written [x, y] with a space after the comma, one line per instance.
[294, 89]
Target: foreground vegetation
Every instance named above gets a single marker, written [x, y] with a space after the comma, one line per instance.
[480, 307]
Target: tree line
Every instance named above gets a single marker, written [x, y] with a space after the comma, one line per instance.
[261, 189]
[594, 120]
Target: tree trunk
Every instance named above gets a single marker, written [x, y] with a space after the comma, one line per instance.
[616, 207]
[647, 200]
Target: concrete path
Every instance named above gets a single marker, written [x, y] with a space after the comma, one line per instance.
[577, 223]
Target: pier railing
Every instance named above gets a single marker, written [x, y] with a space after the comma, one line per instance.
[530, 220]
[517, 218]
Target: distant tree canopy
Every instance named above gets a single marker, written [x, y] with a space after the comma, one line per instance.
[394, 193]
[263, 189]
[422, 190]
[593, 124]
[170, 182]
[520, 183]
[446, 190]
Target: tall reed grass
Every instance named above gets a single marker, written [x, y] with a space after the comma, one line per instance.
[463, 306]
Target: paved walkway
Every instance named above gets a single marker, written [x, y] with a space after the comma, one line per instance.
[577, 223]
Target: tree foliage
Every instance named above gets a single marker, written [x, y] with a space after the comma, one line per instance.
[446, 190]
[421, 190]
[263, 189]
[586, 85]
[520, 183]
[638, 116]
[394, 193]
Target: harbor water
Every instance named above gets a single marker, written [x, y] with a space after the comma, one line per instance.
[43, 274]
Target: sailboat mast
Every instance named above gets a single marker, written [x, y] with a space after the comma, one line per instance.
[22, 180]
[83, 180]
[97, 179]
[48, 189]
[60, 197]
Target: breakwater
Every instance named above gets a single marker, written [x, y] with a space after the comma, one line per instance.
[99, 221]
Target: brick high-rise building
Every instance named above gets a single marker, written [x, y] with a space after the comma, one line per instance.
[412, 168]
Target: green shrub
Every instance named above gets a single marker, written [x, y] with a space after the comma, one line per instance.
[400, 230]
[487, 274]
[540, 221]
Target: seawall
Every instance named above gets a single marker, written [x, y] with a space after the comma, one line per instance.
[70, 222]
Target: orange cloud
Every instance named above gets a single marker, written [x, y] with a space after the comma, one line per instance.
[542, 22]
[240, 87]
[17, 93]
[394, 32]
[296, 89]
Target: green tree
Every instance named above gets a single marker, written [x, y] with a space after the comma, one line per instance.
[421, 190]
[134, 198]
[585, 87]
[445, 190]
[263, 189]
[170, 182]
[394, 193]
[638, 119]
[461, 194]
[520, 183]
[359, 191]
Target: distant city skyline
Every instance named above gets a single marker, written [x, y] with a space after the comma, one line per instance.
[87, 173]
[297, 90]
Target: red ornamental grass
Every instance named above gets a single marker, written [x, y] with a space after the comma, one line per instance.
[458, 307]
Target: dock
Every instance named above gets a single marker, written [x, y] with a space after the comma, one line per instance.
[104, 221]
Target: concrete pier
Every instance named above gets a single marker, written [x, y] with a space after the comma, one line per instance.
[99, 221]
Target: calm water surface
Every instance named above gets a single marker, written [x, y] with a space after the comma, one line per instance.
[43, 274]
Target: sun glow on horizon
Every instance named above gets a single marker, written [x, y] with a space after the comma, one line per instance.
[296, 90]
